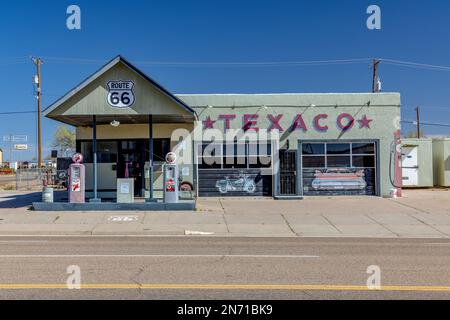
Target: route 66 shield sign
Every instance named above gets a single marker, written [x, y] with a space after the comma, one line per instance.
[120, 93]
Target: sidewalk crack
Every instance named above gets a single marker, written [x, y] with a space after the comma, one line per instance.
[222, 206]
[421, 221]
[409, 206]
[226, 223]
[381, 224]
[429, 225]
[289, 225]
[331, 223]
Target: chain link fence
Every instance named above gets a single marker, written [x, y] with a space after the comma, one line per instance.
[34, 179]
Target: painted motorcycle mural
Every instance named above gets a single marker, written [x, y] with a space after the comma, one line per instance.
[243, 183]
[339, 179]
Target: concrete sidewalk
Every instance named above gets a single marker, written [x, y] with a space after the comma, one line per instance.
[419, 214]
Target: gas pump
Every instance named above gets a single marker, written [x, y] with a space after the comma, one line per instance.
[170, 177]
[77, 174]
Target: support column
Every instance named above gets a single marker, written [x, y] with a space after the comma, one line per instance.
[94, 157]
[150, 158]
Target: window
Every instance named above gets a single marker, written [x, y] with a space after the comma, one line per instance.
[364, 161]
[314, 162]
[363, 148]
[338, 155]
[338, 161]
[338, 148]
[313, 148]
[106, 151]
[161, 147]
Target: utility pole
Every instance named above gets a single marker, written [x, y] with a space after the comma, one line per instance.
[38, 62]
[418, 121]
[375, 63]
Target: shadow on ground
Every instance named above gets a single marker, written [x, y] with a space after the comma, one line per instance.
[9, 201]
[21, 200]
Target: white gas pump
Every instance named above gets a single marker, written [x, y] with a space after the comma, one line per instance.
[170, 179]
[77, 178]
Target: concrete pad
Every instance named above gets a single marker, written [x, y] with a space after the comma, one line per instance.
[305, 219]
[259, 206]
[195, 218]
[255, 219]
[118, 228]
[415, 231]
[311, 229]
[365, 230]
[433, 218]
[259, 229]
[444, 229]
[156, 217]
[395, 219]
[349, 219]
[80, 217]
[180, 228]
[27, 218]
[46, 229]
[209, 205]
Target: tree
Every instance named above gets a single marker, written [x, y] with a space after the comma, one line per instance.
[64, 141]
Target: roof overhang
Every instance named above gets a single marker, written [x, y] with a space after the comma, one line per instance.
[87, 120]
[58, 110]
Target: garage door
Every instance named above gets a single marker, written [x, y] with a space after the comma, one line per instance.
[333, 168]
[239, 170]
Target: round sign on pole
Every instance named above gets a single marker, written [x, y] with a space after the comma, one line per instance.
[171, 158]
[77, 158]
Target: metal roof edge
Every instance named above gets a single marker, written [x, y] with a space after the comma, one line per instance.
[104, 69]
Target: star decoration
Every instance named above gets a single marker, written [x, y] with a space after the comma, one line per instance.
[364, 122]
[208, 123]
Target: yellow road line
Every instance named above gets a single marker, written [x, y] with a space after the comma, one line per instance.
[225, 287]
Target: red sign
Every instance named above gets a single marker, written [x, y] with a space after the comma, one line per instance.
[77, 158]
[170, 185]
[320, 122]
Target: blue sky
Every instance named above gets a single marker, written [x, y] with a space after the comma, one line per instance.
[226, 31]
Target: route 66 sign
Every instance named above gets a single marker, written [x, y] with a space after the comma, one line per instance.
[120, 93]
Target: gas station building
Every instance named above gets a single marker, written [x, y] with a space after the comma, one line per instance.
[306, 144]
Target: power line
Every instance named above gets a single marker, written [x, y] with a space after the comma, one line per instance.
[13, 61]
[17, 112]
[260, 63]
[427, 123]
[216, 63]
[416, 65]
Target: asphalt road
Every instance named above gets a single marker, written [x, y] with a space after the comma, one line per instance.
[222, 268]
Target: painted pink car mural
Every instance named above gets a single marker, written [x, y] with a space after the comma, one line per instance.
[339, 179]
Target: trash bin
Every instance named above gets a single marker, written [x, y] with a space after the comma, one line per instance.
[47, 195]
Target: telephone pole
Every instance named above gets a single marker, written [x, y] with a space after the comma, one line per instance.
[418, 121]
[375, 63]
[38, 62]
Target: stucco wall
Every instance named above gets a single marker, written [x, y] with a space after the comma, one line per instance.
[382, 110]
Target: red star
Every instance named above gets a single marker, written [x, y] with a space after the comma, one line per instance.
[208, 123]
[364, 122]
